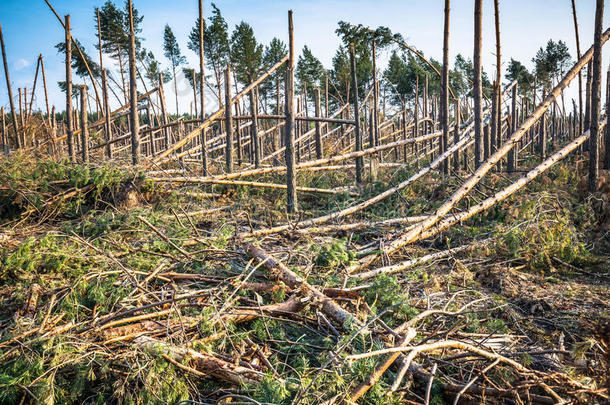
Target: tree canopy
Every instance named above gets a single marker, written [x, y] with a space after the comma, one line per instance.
[551, 62]
[309, 71]
[246, 53]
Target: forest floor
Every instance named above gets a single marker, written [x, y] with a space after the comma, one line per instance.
[117, 289]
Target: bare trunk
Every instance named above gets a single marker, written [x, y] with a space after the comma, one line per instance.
[204, 152]
[596, 98]
[133, 93]
[69, 130]
[444, 107]
[477, 87]
[291, 192]
[228, 122]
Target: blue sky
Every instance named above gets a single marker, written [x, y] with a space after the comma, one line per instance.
[31, 29]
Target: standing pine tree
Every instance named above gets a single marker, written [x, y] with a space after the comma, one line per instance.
[246, 53]
[340, 76]
[310, 72]
[114, 33]
[172, 52]
[247, 61]
[216, 46]
[517, 71]
[274, 52]
[79, 64]
[152, 68]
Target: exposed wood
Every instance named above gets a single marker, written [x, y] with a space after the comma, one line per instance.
[291, 279]
[508, 191]
[415, 233]
[195, 180]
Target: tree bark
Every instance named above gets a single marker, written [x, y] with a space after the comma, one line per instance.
[255, 143]
[46, 94]
[587, 123]
[444, 110]
[69, 129]
[477, 87]
[84, 130]
[10, 91]
[579, 120]
[319, 151]
[596, 98]
[164, 118]
[4, 134]
[359, 160]
[542, 134]
[291, 192]
[471, 182]
[204, 149]
[456, 134]
[513, 154]
[607, 131]
[294, 281]
[228, 122]
[133, 93]
[497, 130]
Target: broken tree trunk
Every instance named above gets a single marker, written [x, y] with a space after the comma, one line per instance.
[294, 281]
[202, 362]
[579, 119]
[444, 107]
[84, 130]
[164, 117]
[596, 98]
[463, 190]
[204, 152]
[318, 113]
[228, 123]
[10, 91]
[69, 129]
[254, 140]
[5, 147]
[477, 86]
[510, 190]
[359, 160]
[291, 192]
[497, 95]
[513, 155]
[133, 93]
[607, 132]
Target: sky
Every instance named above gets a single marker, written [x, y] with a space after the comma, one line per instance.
[30, 29]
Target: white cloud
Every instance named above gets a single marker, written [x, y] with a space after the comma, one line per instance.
[21, 64]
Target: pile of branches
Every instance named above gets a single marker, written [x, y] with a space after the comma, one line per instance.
[170, 329]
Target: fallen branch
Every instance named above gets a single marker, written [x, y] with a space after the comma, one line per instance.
[294, 281]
